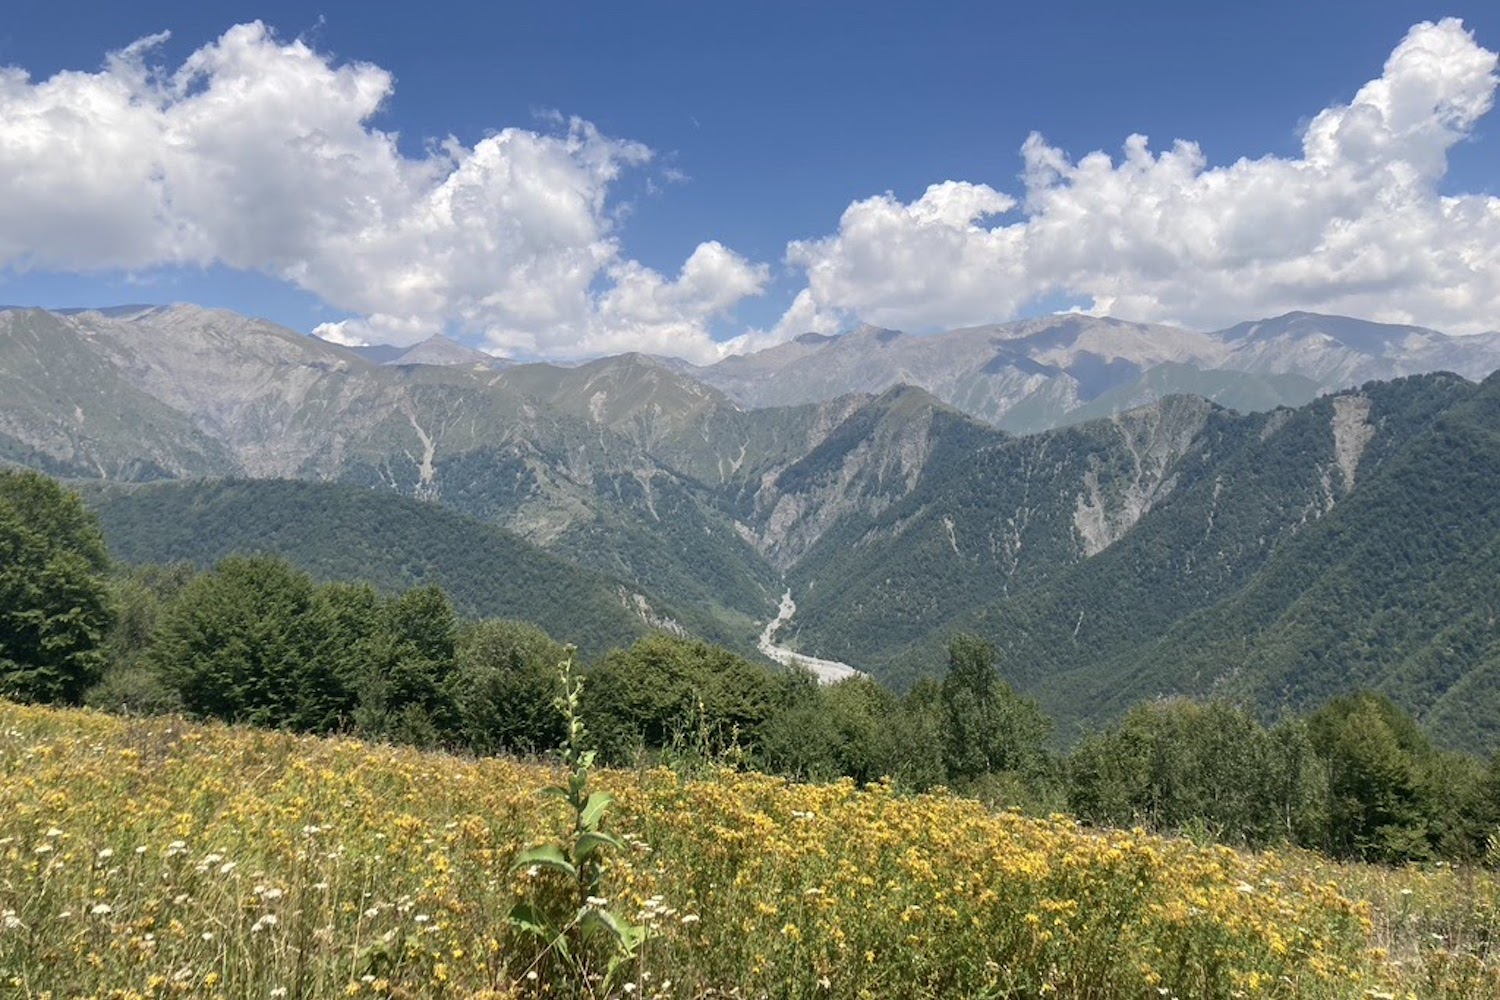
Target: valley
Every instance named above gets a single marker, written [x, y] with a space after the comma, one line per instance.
[827, 671]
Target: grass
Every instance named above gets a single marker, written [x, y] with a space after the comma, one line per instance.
[162, 859]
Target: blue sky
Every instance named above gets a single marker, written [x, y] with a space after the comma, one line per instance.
[764, 124]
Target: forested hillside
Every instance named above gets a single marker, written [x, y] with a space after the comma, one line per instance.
[1283, 570]
[345, 533]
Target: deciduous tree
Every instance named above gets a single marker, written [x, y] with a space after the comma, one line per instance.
[54, 600]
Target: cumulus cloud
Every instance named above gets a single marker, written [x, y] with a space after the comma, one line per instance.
[347, 332]
[1356, 225]
[260, 154]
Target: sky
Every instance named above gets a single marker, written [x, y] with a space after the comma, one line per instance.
[549, 180]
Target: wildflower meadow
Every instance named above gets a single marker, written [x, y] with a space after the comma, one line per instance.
[157, 858]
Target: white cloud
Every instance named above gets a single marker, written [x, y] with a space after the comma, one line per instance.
[345, 332]
[1355, 225]
[259, 154]
[644, 311]
[262, 155]
[929, 263]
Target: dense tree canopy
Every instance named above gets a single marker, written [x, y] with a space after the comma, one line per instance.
[237, 645]
[1209, 768]
[504, 687]
[988, 727]
[54, 600]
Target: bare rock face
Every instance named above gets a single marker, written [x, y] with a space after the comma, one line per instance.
[1152, 439]
[1352, 434]
[64, 401]
[879, 461]
[1023, 376]
[1340, 352]
[246, 383]
[441, 350]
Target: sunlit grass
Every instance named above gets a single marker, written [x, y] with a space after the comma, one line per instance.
[158, 859]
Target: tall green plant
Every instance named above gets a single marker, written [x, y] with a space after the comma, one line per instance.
[575, 922]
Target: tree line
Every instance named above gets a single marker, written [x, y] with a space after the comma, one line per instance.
[256, 641]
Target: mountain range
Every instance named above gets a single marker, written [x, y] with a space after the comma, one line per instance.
[1274, 512]
[1041, 373]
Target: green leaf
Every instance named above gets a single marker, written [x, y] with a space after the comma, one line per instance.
[593, 809]
[527, 918]
[590, 841]
[549, 856]
[626, 936]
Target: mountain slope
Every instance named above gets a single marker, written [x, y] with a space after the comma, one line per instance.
[344, 533]
[219, 394]
[69, 411]
[1171, 546]
[992, 517]
[1394, 590]
[1195, 597]
[1338, 351]
[441, 350]
[1020, 376]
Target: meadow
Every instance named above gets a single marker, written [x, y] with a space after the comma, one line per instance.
[157, 858]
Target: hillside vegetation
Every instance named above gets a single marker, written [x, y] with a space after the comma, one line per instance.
[1277, 559]
[338, 532]
[161, 859]
[1281, 581]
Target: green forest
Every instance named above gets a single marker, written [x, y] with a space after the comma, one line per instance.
[254, 640]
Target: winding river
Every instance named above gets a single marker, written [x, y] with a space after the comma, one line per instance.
[827, 671]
